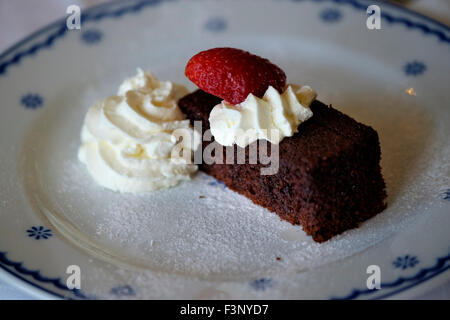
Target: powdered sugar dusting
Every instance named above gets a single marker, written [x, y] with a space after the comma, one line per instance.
[201, 228]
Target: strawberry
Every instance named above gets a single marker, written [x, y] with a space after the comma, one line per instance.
[232, 74]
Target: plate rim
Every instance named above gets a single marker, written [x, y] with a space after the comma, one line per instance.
[15, 273]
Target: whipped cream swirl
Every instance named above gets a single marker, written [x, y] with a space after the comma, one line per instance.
[272, 118]
[131, 142]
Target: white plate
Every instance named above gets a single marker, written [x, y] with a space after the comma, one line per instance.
[174, 244]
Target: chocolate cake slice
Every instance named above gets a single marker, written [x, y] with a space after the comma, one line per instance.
[329, 178]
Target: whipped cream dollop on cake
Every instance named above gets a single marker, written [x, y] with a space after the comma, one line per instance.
[139, 140]
[272, 117]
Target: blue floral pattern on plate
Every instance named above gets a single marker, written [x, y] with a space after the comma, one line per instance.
[405, 262]
[261, 284]
[216, 24]
[446, 195]
[330, 15]
[39, 232]
[92, 36]
[123, 291]
[32, 101]
[414, 68]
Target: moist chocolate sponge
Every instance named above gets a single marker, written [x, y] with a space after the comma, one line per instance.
[329, 178]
